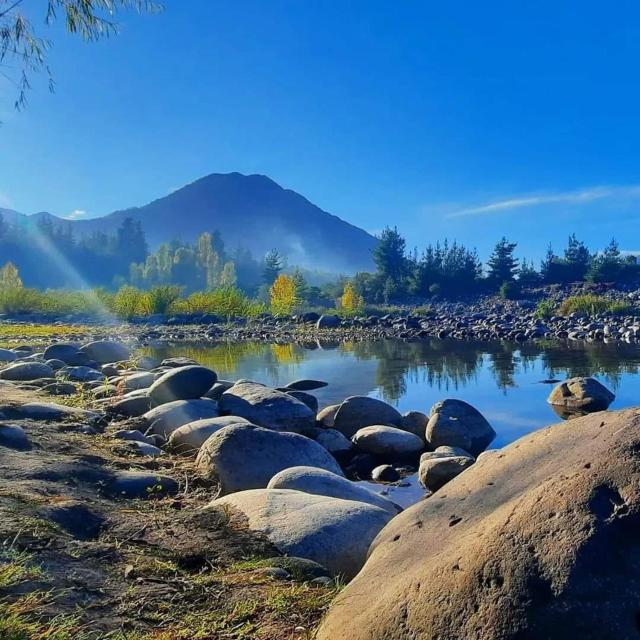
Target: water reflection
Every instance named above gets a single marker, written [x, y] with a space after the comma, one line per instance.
[502, 379]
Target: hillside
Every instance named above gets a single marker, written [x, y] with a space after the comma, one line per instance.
[251, 211]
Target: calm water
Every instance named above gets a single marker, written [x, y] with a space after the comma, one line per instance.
[502, 380]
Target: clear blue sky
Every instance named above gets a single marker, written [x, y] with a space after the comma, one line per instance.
[459, 119]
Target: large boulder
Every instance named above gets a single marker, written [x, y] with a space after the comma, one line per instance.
[328, 322]
[24, 371]
[168, 417]
[324, 483]
[415, 422]
[306, 384]
[244, 456]
[267, 407]
[104, 351]
[581, 395]
[361, 411]
[188, 438]
[137, 380]
[436, 471]
[537, 540]
[6, 355]
[387, 441]
[458, 424]
[335, 533]
[182, 383]
[65, 351]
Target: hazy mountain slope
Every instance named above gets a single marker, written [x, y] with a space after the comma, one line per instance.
[253, 212]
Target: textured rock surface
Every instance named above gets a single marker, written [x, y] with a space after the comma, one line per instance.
[267, 407]
[182, 383]
[387, 441]
[456, 423]
[360, 411]
[243, 457]
[538, 540]
[582, 394]
[325, 483]
[168, 417]
[188, 438]
[335, 533]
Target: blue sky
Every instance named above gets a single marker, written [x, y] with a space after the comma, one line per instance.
[458, 119]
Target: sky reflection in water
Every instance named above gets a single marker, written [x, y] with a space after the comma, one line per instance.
[502, 380]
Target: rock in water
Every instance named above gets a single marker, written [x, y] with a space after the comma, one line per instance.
[538, 540]
[306, 385]
[387, 441]
[182, 383]
[360, 411]
[325, 483]
[581, 394]
[332, 532]
[267, 407]
[437, 471]
[104, 351]
[244, 456]
[458, 424]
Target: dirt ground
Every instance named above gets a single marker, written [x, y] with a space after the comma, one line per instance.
[76, 564]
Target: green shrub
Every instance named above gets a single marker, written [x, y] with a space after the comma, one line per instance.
[129, 302]
[545, 309]
[591, 305]
[20, 300]
[509, 290]
[160, 299]
[224, 301]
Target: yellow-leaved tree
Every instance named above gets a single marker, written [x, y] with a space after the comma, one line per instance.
[351, 301]
[9, 277]
[284, 295]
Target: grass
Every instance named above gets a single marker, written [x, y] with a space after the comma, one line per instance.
[591, 305]
[16, 567]
[25, 333]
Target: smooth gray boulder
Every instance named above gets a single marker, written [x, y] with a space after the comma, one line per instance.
[168, 417]
[245, 456]
[106, 351]
[81, 374]
[188, 438]
[415, 422]
[332, 532]
[267, 407]
[131, 407]
[65, 351]
[387, 441]
[6, 355]
[216, 391]
[306, 398]
[434, 473]
[581, 395]
[328, 322]
[324, 483]
[182, 383]
[357, 412]
[334, 442]
[136, 381]
[14, 437]
[24, 371]
[326, 417]
[46, 411]
[458, 424]
[306, 384]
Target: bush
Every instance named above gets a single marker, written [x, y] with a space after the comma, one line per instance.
[591, 305]
[351, 303]
[224, 301]
[545, 309]
[160, 299]
[20, 300]
[435, 289]
[509, 290]
[130, 302]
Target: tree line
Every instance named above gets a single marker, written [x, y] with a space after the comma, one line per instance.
[452, 269]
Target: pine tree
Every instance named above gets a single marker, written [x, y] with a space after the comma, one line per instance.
[389, 256]
[272, 267]
[503, 267]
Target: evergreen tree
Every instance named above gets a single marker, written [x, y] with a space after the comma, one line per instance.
[272, 267]
[131, 245]
[503, 267]
[389, 257]
[577, 259]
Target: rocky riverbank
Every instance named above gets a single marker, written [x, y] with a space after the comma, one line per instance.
[154, 495]
[475, 318]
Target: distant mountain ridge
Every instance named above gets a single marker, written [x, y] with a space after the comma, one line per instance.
[251, 211]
